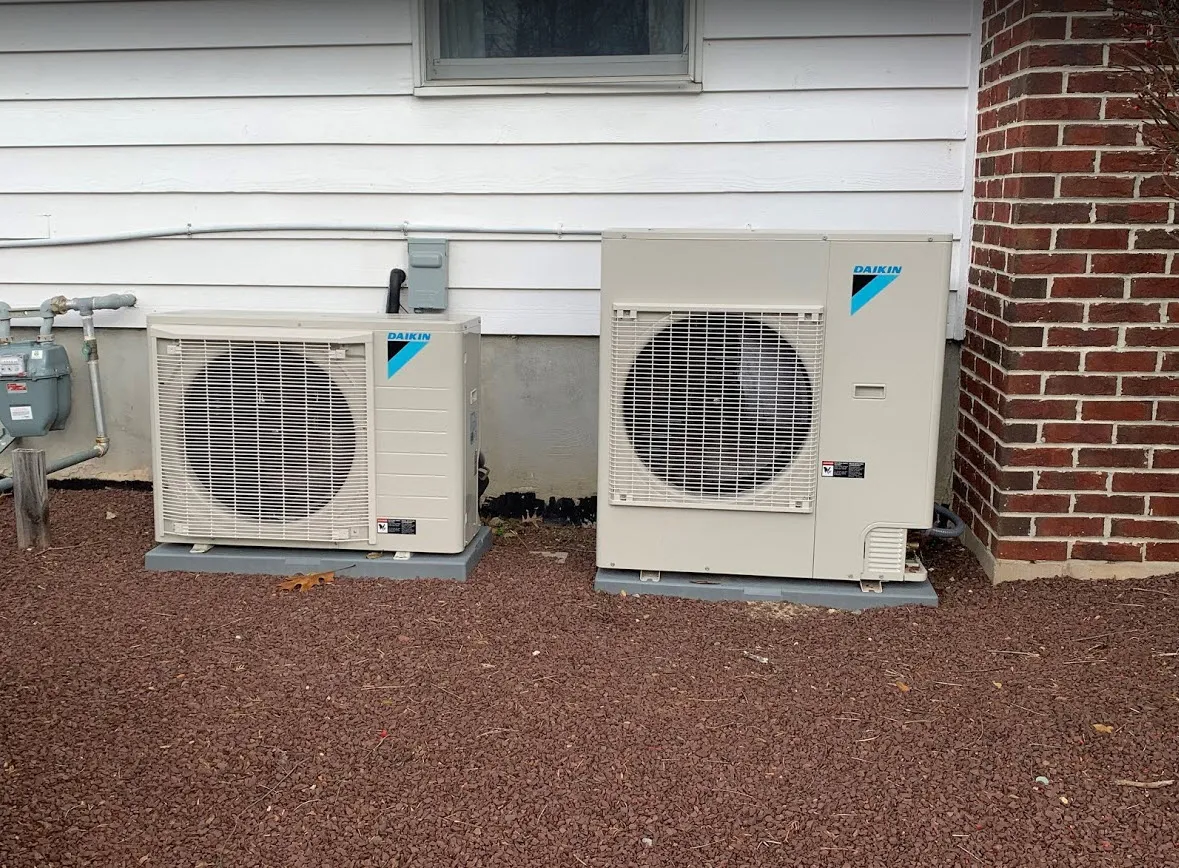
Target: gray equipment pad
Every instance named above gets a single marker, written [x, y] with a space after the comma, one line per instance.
[173, 557]
[802, 592]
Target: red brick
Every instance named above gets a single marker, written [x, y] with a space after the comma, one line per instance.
[1106, 551]
[1029, 287]
[1111, 504]
[1111, 457]
[1104, 27]
[1156, 239]
[1040, 360]
[1154, 287]
[1067, 336]
[1098, 82]
[1133, 212]
[1021, 384]
[1122, 108]
[1120, 361]
[1103, 186]
[1164, 507]
[1072, 384]
[1028, 187]
[1025, 408]
[1146, 483]
[1068, 525]
[1156, 187]
[1077, 432]
[1035, 311]
[1129, 263]
[1048, 263]
[1173, 312]
[1088, 287]
[1040, 456]
[1035, 135]
[1164, 552]
[1121, 312]
[1050, 212]
[1138, 162]
[1167, 411]
[1116, 411]
[1092, 239]
[1067, 55]
[1038, 503]
[1026, 237]
[1151, 387]
[1030, 550]
[1150, 435]
[1100, 134]
[1056, 161]
[1163, 336]
[1165, 459]
[1170, 362]
[1072, 480]
[1145, 529]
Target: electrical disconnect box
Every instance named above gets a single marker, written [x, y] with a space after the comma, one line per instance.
[428, 277]
[35, 393]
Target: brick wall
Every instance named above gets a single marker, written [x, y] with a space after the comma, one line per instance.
[1068, 441]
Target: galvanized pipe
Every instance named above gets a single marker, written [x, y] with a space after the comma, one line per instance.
[86, 307]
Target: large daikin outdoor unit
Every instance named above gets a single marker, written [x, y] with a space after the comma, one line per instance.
[769, 402]
[314, 431]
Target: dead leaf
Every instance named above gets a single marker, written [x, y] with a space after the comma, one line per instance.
[998, 684]
[1103, 728]
[403, 639]
[306, 583]
[112, 515]
[372, 556]
[903, 687]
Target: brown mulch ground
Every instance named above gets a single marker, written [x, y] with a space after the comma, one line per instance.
[520, 719]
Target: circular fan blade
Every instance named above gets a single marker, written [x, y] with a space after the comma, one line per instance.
[717, 404]
[268, 434]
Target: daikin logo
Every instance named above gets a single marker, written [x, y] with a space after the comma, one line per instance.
[868, 281]
[402, 347]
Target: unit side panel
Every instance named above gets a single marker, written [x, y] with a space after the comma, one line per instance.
[881, 395]
[419, 443]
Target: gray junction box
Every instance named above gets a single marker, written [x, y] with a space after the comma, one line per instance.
[35, 393]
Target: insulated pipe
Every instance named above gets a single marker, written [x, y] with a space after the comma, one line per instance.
[400, 228]
[956, 529]
[86, 306]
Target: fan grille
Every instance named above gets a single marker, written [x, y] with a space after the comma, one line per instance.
[264, 440]
[715, 408]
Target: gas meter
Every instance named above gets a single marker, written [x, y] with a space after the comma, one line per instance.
[35, 393]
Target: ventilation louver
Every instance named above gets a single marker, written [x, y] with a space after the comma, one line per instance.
[264, 439]
[715, 408]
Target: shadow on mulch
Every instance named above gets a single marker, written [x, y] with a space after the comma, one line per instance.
[521, 719]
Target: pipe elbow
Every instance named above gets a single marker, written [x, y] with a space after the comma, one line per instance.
[101, 446]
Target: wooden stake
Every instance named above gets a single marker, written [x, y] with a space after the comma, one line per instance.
[30, 492]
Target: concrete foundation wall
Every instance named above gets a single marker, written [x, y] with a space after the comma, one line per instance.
[540, 409]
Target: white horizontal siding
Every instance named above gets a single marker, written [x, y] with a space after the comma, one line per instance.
[814, 116]
[850, 114]
[647, 168]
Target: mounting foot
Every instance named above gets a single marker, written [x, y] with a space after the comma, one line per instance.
[869, 586]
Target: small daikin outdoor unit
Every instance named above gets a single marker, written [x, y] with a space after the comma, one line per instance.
[313, 431]
[769, 402]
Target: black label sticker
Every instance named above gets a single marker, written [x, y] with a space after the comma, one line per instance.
[844, 469]
[403, 526]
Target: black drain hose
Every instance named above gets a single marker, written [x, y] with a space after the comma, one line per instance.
[953, 530]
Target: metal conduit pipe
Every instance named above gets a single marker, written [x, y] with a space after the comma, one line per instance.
[85, 307]
[399, 228]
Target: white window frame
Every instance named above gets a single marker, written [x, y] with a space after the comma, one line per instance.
[500, 75]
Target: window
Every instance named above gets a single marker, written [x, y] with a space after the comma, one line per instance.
[506, 41]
